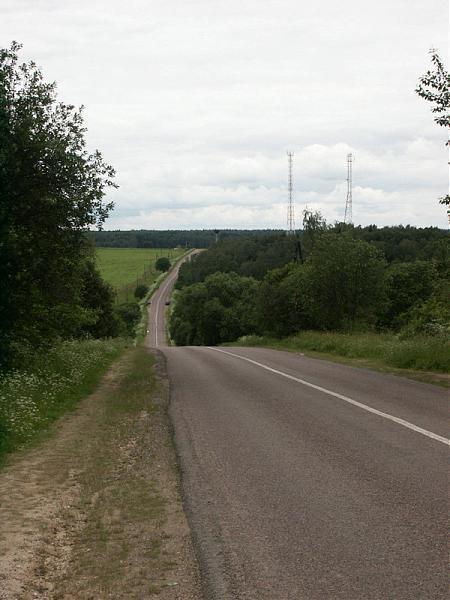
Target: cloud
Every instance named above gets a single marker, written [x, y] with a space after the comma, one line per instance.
[195, 104]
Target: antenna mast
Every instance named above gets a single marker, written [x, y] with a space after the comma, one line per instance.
[348, 217]
[290, 209]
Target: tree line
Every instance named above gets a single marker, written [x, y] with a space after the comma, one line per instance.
[329, 278]
[195, 238]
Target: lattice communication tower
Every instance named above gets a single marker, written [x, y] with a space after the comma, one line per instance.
[348, 216]
[290, 209]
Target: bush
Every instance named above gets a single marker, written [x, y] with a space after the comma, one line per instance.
[129, 314]
[162, 264]
[406, 284]
[140, 291]
[431, 317]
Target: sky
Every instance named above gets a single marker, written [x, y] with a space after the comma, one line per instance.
[195, 103]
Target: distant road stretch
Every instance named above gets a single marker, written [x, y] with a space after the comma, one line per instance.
[306, 479]
[156, 336]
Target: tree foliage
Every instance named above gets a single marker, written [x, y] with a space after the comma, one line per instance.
[406, 284]
[345, 283]
[140, 291]
[162, 264]
[51, 191]
[220, 309]
[434, 87]
[280, 301]
[251, 257]
[193, 238]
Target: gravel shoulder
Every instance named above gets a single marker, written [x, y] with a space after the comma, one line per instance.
[95, 511]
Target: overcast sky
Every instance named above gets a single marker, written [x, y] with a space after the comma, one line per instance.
[195, 102]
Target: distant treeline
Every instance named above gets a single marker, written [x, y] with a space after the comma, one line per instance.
[330, 277]
[196, 238]
[255, 256]
[398, 243]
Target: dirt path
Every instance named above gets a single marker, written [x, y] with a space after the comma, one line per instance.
[94, 511]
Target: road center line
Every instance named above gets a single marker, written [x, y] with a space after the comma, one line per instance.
[397, 420]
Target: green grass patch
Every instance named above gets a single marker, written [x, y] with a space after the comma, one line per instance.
[385, 351]
[33, 397]
[125, 268]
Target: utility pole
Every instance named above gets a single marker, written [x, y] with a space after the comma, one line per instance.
[290, 208]
[348, 216]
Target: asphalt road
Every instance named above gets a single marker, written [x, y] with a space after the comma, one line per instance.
[156, 336]
[305, 479]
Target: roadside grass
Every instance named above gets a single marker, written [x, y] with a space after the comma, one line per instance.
[124, 268]
[54, 381]
[120, 545]
[424, 358]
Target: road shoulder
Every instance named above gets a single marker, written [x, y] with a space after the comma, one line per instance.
[95, 510]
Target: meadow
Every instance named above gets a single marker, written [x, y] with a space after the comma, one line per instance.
[125, 268]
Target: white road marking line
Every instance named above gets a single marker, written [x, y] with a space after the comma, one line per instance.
[407, 424]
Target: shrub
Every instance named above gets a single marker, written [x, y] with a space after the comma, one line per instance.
[162, 264]
[140, 291]
[129, 314]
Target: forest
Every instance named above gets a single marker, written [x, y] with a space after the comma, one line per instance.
[328, 278]
[194, 238]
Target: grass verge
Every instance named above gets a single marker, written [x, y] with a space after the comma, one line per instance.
[53, 383]
[94, 511]
[119, 503]
[423, 357]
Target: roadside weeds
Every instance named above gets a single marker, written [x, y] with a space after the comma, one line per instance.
[357, 351]
[95, 511]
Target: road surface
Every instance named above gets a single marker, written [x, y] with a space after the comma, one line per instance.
[306, 479]
[156, 336]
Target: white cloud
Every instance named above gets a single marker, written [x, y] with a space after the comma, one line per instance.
[196, 102]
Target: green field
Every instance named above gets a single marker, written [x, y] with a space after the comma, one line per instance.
[124, 268]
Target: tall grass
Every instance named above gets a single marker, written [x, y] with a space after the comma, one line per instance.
[34, 396]
[424, 353]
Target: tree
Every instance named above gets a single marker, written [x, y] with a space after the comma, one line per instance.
[219, 309]
[98, 298]
[140, 291]
[128, 314]
[279, 301]
[344, 282]
[434, 87]
[51, 191]
[162, 264]
[406, 284]
[313, 226]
